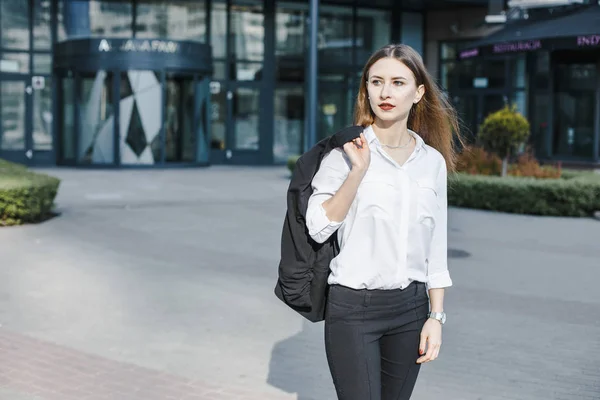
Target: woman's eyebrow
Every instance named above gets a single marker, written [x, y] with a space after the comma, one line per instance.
[394, 78]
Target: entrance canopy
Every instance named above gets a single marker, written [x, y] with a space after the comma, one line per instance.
[579, 29]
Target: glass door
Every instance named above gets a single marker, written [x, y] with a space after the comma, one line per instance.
[242, 136]
[94, 101]
[180, 138]
[140, 117]
[185, 118]
[16, 143]
[574, 110]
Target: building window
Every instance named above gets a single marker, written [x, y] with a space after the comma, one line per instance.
[42, 117]
[374, 30]
[336, 36]
[179, 20]
[41, 25]
[290, 30]
[574, 109]
[412, 30]
[247, 31]
[94, 18]
[14, 22]
[218, 28]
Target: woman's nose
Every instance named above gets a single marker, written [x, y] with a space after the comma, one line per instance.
[385, 91]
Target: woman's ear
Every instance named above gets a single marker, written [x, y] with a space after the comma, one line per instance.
[419, 94]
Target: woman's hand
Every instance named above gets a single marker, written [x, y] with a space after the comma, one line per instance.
[431, 336]
[358, 152]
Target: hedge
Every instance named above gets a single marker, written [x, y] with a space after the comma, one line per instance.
[576, 194]
[25, 196]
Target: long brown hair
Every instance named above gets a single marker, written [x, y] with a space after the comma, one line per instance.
[433, 117]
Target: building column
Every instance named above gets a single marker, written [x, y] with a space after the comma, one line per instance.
[311, 98]
[76, 16]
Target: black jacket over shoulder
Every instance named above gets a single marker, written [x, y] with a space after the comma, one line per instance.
[304, 265]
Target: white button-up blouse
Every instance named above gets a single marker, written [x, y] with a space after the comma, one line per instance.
[396, 229]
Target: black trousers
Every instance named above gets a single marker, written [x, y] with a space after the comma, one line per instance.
[372, 340]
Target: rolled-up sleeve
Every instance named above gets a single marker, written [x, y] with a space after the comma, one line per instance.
[331, 174]
[437, 263]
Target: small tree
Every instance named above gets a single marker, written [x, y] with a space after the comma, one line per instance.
[502, 132]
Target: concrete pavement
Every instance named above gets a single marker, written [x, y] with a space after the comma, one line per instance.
[157, 284]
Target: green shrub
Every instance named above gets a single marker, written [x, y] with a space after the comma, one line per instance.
[575, 195]
[502, 132]
[291, 162]
[25, 196]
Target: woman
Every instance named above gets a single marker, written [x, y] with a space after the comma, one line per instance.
[385, 194]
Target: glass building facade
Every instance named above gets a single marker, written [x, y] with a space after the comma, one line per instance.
[548, 66]
[183, 82]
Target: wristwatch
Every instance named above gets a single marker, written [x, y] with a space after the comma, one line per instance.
[438, 316]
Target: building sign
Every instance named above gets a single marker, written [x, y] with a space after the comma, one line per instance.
[527, 45]
[468, 53]
[139, 45]
[588, 41]
[572, 42]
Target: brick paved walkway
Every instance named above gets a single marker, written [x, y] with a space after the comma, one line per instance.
[41, 370]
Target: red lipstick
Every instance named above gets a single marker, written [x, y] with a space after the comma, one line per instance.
[386, 106]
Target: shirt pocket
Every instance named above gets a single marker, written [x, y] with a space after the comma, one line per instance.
[427, 203]
[376, 196]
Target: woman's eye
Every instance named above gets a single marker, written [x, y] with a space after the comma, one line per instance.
[375, 82]
[398, 83]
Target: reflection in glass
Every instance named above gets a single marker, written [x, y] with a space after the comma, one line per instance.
[449, 76]
[494, 70]
[180, 143]
[12, 96]
[336, 35]
[466, 107]
[246, 108]
[218, 117]
[93, 18]
[173, 19]
[246, 71]
[540, 124]
[42, 64]
[290, 34]
[15, 62]
[219, 70]
[411, 27]
[42, 117]
[67, 133]
[140, 118]
[492, 103]
[14, 20]
[96, 119]
[575, 103]
[374, 29]
[335, 107]
[247, 30]
[519, 98]
[202, 126]
[289, 122]
[518, 71]
[218, 28]
[448, 51]
[41, 24]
